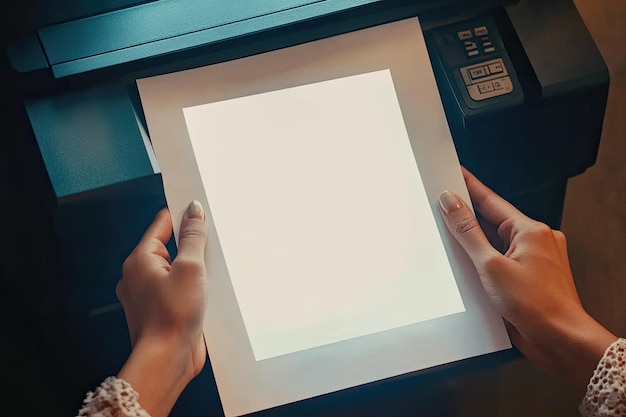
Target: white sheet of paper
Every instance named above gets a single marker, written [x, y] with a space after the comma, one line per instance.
[321, 213]
[363, 201]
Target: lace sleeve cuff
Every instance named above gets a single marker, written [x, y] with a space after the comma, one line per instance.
[606, 392]
[113, 398]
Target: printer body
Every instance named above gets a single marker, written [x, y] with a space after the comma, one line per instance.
[522, 83]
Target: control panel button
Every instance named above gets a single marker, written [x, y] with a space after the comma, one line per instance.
[472, 53]
[490, 49]
[481, 31]
[485, 87]
[465, 34]
[495, 68]
[470, 46]
[490, 89]
[478, 72]
[498, 85]
[483, 71]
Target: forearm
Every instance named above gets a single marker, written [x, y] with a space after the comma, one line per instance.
[159, 371]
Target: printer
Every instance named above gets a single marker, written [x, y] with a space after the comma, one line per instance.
[523, 86]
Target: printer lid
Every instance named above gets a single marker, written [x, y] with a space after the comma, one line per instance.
[73, 37]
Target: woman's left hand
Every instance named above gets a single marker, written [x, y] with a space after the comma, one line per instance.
[164, 303]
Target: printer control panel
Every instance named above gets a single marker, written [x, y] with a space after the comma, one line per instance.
[476, 41]
[476, 64]
[487, 79]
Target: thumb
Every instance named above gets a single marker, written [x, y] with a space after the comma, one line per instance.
[193, 233]
[463, 225]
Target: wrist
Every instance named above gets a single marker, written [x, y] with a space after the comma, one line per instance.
[159, 369]
[577, 345]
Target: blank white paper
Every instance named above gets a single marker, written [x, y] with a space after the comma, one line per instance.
[289, 204]
[321, 213]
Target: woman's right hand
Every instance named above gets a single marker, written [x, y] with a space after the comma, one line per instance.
[524, 268]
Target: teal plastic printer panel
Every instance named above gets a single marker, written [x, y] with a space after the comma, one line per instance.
[148, 23]
[89, 139]
[167, 26]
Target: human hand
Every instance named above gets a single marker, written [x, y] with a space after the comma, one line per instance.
[524, 268]
[164, 303]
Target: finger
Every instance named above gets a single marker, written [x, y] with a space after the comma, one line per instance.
[559, 238]
[120, 291]
[561, 243]
[525, 346]
[463, 225]
[489, 204]
[193, 233]
[158, 233]
[507, 229]
[491, 232]
[516, 338]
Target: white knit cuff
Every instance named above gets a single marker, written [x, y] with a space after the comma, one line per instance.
[606, 392]
[113, 398]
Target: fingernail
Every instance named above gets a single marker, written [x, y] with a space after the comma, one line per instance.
[195, 210]
[449, 202]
